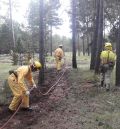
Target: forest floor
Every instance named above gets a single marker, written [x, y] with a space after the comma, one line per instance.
[76, 102]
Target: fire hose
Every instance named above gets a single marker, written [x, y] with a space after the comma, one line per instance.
[30, 91]
[14, 112]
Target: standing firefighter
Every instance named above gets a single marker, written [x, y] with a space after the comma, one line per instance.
[107, 64]
[58, 57]
[18, 86]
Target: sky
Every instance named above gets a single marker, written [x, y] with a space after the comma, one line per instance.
[64, 30]
[20, 14]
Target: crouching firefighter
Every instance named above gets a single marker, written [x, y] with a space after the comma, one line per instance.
[108, 58]
[58, 54]
[17, 85]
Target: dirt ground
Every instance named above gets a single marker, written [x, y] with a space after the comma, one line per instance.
[74, 103]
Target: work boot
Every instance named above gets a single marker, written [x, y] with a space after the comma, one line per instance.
[58, 71]
[10, 111]
[27, 109]
[107, 90]
[102, 83]
[107, 87]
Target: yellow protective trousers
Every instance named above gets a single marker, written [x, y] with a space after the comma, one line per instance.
[106, 78]
[58, 63]
[19, 95]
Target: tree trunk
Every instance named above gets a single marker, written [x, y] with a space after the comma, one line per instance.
[51, 42]
[12, 28]
[118, 58]
[33, 36]
[104, 24]
[88, 46]
[94, 42]
[41, 43]
[78, 45]
[74, 62]
[100, 38]
[91, 39]
[88, 50]
[83, 41]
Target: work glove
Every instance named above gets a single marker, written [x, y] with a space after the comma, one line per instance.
[34, 86]
[27, 93]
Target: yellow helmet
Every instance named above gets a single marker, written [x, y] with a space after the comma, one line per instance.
[37, 64]
[108, 46]
[60, 45]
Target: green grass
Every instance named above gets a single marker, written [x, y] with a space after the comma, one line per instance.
[4, 73]
[106, 104]
[83, 64]
[4, 70]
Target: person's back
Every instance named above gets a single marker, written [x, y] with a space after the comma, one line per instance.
[58, 54]
[24, 73]
[108, 58]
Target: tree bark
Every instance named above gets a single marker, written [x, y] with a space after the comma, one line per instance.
[100, 38]
[83, 41]
[41, 43]
[94, 42]
[78, 44]
[12, 28]
[87, 35]
[51, 42]
[118, 58]
[74, 62]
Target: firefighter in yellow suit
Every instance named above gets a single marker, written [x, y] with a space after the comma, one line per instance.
[17, 85]
[108, 58]
[58, 54]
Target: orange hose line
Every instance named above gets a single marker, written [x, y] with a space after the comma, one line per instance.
[4, 125]
[11, 117]
[54, 84]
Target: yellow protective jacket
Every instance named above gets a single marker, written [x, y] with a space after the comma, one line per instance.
[24, 73]
[59, 53]
[107, 56]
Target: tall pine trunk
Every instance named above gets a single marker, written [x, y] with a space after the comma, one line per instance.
[74, 62]
[100, 38]
[78, 44]
[41, 43]
[94, 42]
[87, 35]
[51, 42]
[118, 58]
[83, 45]
[11, 26]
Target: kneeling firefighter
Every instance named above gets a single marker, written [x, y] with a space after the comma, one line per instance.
[108, 58]
[58, 54]
[17, 85]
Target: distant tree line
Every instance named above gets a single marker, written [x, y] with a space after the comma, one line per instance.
[27, 37]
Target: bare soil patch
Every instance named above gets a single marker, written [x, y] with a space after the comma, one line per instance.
[75, 103]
